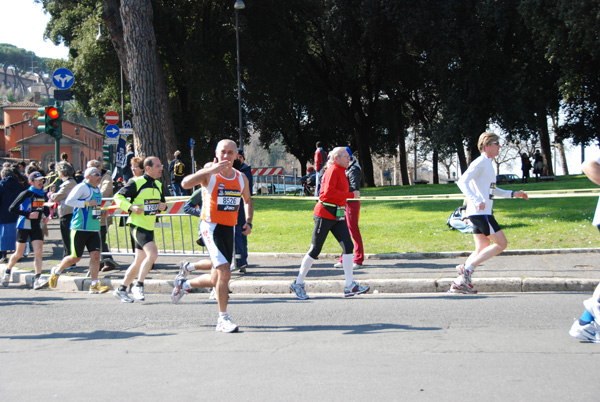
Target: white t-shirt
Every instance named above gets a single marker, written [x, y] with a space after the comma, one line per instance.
[478, 183]
[596, 220]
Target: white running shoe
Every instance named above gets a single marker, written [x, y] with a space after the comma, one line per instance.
[178, 291]
[5, 278]
[213, 294]
[462, 288]
[226, 325]
[138, 292]
[589, 332]
[338, 265]
[40, 283]
[183, 268]
[122, 295]
[593, 307]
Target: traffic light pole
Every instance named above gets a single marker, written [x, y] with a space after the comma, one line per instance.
[58, 136]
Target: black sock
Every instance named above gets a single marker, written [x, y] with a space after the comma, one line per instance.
[37, 276]
[139, 283]
[8, 270]
[122, 288]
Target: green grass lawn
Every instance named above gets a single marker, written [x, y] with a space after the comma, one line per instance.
[420, 226]
[286, 224]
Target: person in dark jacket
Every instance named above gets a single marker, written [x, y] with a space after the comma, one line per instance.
[241, 240]
[29, 205]
[10, 188]
[354, 175]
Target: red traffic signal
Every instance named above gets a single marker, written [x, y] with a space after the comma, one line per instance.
[52, 113]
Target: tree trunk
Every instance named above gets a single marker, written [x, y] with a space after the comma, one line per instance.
[545, 143]
[401, 139]
[436, 165]
[462, 158]
[563, 158]
[130, 25]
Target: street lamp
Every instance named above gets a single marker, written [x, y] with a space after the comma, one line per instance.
[239, 5]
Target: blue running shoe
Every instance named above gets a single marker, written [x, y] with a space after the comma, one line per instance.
[299, 290]
[355, 289]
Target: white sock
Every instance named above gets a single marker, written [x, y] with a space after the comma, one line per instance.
[94, 282]
[307, 262]
[223, 314]
[190, 267]
[469, 268]
[348, 265]
[186, 285]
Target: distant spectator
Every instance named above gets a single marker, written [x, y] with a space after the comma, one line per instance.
[64, 157]
[10, 188]
[78, 176]
[241, 240]
[127, 173]
[177, 171]
[320, 159]
[525, 167]
[32, 167]
[538, 165]
[137, 166]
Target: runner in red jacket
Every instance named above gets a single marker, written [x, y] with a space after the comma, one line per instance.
[329, 216]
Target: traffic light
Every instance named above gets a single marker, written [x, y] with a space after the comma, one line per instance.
[107, 155]
[51, 116]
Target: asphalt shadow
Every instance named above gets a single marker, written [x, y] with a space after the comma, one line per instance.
[85, 336]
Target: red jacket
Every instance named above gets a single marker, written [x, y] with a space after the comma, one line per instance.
[334, 190]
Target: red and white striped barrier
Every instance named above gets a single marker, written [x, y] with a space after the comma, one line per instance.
[267, 171]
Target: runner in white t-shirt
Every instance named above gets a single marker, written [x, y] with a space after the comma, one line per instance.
[478, 184]
[587, 328]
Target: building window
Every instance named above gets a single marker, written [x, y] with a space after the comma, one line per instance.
[8, 131]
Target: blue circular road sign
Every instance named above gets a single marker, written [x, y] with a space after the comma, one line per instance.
[63, 78]
[112, 131]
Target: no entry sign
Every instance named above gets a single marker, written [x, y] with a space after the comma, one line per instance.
[111, 117]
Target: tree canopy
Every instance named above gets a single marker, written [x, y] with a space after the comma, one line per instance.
[363, 73]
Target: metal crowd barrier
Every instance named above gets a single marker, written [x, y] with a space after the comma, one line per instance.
[183, 230]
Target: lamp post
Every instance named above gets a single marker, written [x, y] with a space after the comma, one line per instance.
[239, 5]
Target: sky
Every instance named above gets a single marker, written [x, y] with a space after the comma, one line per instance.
[23, 25]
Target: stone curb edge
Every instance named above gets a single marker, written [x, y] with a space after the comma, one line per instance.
[441, 285]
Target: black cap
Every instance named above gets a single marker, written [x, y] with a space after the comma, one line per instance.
[241, 152]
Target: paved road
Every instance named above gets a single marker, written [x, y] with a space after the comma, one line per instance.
[72, 346]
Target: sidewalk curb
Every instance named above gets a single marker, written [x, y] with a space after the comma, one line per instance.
[441, 285]
[432, 255]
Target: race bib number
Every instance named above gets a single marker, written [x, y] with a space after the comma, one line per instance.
[37, 204]
[96, 212]
[151, 207]
[228, 200]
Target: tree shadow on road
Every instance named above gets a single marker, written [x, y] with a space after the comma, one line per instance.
[346, 329]
[38, 301]
[85, 336]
